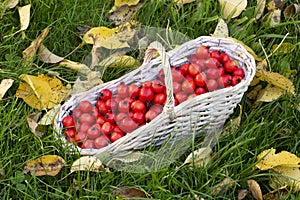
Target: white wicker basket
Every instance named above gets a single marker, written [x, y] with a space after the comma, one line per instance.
[204, 113]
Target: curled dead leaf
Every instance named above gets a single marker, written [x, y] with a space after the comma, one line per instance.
[221, 29]
[232, 7]
[200, 157]
[269, 93]
[12, 4]
[47, 56]
[45, 165]
[4, 86]
[129, 192]
[32, 121]
[242, 194]
[255, 190]
[225, 185]
[124, 13]
[88, 163]
[272, 18]
[48, 118]
[289, 176]
[259, 9]
[291, 11]
[24, 13]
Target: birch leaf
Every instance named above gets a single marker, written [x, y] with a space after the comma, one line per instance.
[124, 62]
[119, 3]
[234, 7]
[276, 79]
[221, 29]
[259, 9]
[269, 93]
[290, 176]
[32, 121]
[81, 68]
[24, 13]
[12, 4]
[41, 91]
[200, 157]
[272, 18]
[180, 3]
[253, 93]
[129, 193]
[4, 86]
[47, 56]
[269, 160]
[45, 165]
[30, 51]
[124, 13]
[255, 190]
[88, 163]
[48, 118]
[225, 185]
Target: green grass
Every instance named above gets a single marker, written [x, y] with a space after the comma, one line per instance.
[270, 125]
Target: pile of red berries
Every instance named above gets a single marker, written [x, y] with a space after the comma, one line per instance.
[117, 113]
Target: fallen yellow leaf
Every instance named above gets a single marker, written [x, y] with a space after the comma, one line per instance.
[259, 9]
[234, 7]
[182, 2]
[221, 29]
[30, 51]
[269, 93]
[41, 91]
[47, 56]
[285, 48]
[268, 159]
[290, 176]
[200, 157]
[45, 165]
[4, 86]
[124, 13]
[119, 3]
[124, 61]
[277, 80]
[12, 4]
[88, 163]
[24, 13]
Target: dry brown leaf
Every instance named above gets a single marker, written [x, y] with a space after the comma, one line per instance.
[180, 3]
[81, 68]
[290, 176]
[253, 93]
[276, 79]
[32, 121]
[268, 159]
[200, 157]
[47, 56]
[114, 38]
[124, 13]
[88, 163]
[259, 9]
[269, 93]
[242, 194]
[41, 92]
[4, 86]
[129, 192]
[221, 29]
[45, 165]
[272, 18]
[24, 13]
[234, 7]
[255, 190]
[30, 51]
[12, 4]
[48, 118]
[291, 11]
[225, 185]
[276, 4]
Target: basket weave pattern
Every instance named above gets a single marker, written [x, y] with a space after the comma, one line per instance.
[206, 113]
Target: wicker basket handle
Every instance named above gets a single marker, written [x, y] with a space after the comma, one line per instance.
[158, 47]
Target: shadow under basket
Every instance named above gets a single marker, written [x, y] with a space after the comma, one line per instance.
[204, 113]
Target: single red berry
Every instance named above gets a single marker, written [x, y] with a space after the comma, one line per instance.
[230, 66]
[150, 115]
[124, 106]
[76, 113]
[87, 117]
[101, 142]
[212, 85]
[146, 94]
[107, 128]
[139, 117]
[158, 86]
[68, 121]
[157, 108]
[236, 80]
[122, 90]
[224, 57]
[176, 87]
[200, 90]
[70, 132]
[239, 72]
[212, 73]
[216, 54]
[176, 75]
[115, 136]
[134, 90]
[194, 69]
[202, 52]
[188, 86]
[193, 58]
[85, 106]
[128, 125]
[184, 68]
[225, 80]
[110, 117]
[80, 136]
[200, 79]
[84, 127]
[101, 107]
[181, 97]
[94, 131]
[100, 120]
[111, 104]
[88, 144]
[105, 94]
[160, 98]
[138, 106]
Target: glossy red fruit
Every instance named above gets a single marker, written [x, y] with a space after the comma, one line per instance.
[118, 129]
[95, 112]
[122, 90]
[110, 117]
[146, 94]
[84, 127]
[221, 71]
[105, 94]
[100, 120]
[101, 107]
[150, 115]
[181, 97]
[200, 79]
[224, 57]
[88, 144]
[188, 77]
[68, 121]
[236, 80]
[211, 63]
[194, 69]
[107, 128]
[239, 72]
[176, 87]
[87, 118]
[212, 73]
[230, 66]
[94, 131]
[138, 106]
[115, 136]
[160, 98]
[212, 84]
[134, 90]
[201, 64]
[216, 54]
[120, 116]
[200, 90]
[225, 80]
[161, 75]
[76, 113]
[124, 106]
[80, 136]
[111, 105]
[193, 58]
[128, 125]
[157, 108]
[70, 132]
[202, 52]
[176, 75]
[158, 86]
[101, 142]
[139, 117]
[184, 68]
[85, 106]
[188, 86]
